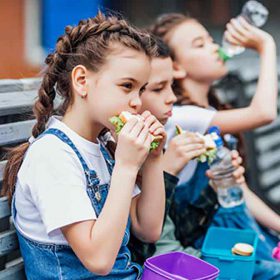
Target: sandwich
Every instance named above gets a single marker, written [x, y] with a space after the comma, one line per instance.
[122, 119]
[210, 145]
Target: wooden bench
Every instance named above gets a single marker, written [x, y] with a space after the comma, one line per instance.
[16, 100]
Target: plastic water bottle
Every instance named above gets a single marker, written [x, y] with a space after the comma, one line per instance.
[253, 12]
[231, 141]
[229, 193]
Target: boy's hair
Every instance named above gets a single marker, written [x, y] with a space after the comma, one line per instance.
[88, 44]
[162, 50]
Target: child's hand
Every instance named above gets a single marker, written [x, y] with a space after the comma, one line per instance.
[156, 129]
[133, 144]
[238, 173]
[181, 149]
[239, 32]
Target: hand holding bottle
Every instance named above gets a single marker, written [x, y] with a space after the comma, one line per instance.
[240, 33]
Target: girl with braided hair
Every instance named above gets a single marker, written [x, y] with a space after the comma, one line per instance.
[196, 66]
[73, 204]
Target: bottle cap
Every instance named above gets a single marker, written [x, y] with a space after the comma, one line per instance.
[215, 129]
[218, 139]
[223, 55]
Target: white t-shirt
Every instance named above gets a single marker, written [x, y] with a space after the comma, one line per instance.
[190, 118]
[51, 185]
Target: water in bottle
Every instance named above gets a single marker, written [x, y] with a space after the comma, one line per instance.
[229, 193]
[253, 12]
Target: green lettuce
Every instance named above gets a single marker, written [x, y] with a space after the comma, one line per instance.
[118, 124]
[208, 156]
[177, 132]
[154, 145]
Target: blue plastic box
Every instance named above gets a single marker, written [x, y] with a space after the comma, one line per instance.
[217, 247]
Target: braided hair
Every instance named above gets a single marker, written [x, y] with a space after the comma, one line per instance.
[86, 44]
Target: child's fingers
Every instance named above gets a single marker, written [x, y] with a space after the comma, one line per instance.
[241, 180]
[231, 39]
[209, 174]
[145, 114]
[148, 141]
[195, 153]
[149, 121]
[194, 137]
[156, 125]
[135, 131]
[238, 172]
[239, 28]
[245, 24]
[236, 34]
[143, 135]
[234, 154]
[159, 131]
[129, 125]
[194, 147]
[237, 162]
[188, 138]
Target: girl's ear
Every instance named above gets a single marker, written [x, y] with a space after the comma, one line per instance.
[79, 80]
[178, 71]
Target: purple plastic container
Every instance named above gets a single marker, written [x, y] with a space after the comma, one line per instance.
[178, 266]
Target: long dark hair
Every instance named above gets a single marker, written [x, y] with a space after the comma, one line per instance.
[87, 44]
[163, 27]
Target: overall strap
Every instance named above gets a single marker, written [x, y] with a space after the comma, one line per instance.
[90, 174]
[108, 159]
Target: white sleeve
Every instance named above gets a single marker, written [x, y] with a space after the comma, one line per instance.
[58, 187]
[136, 191]
[190, 118]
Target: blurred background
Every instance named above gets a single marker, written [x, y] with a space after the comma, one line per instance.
[29, 29]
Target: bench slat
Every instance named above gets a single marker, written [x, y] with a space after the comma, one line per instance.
[5, 210]
[274, 194]
[16, 102]
[268, 142]
[10, 85]
[270, 177]
[15, 132]
[15, 272]
[269, 159]
[8, 242]
[268, 128]
[2, 166]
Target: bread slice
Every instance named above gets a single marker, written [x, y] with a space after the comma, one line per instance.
[125, 116]
[122, 119]
[208, 138]
[242, 249]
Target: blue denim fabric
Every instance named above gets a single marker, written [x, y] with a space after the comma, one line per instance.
[236, 217]
[52, 261]
[239, 217]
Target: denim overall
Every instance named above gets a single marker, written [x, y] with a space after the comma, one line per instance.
[236, 217]
[52, 261]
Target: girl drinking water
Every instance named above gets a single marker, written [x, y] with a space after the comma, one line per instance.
[196, 66]
[73, 205]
